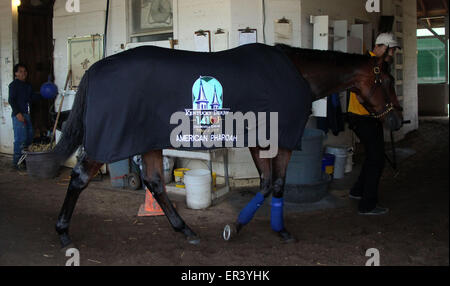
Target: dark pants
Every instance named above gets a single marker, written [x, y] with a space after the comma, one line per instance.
[370, 133]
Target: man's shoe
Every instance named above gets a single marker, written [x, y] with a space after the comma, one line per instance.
[355, 197]
[378, 210]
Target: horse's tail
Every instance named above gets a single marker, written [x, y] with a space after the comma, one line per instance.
[73, 131]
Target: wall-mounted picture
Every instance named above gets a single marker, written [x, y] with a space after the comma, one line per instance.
[83, 52]
[151, 15]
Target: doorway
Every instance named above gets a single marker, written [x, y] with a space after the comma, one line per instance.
[36, 52]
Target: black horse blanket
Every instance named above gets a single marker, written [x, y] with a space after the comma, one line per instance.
[131, 96]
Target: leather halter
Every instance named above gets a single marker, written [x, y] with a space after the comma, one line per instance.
[378, 82]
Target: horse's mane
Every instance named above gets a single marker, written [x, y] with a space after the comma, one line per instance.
[324, 55]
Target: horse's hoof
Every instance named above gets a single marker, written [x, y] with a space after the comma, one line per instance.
[286, 237]
[191, 236]
[227, 232]
[194, 240]
[230, 231]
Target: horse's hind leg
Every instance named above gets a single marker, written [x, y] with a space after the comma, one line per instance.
[154, 180]
[82, 173]
[279, 165]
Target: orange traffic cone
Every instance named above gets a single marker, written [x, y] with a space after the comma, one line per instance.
[150, 207]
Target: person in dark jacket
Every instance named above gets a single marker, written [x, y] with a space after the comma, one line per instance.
[20, 97]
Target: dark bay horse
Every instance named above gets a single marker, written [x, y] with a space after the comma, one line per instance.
[326, 72]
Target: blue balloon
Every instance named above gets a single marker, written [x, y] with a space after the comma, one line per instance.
[49, 90]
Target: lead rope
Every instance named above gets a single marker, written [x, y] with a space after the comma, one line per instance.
[24, 156]
[389, 108]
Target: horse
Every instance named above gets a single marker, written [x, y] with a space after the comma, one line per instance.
[325, 72]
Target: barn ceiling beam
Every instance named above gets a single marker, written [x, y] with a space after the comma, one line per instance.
[440, 38]
[431, 13]
[445, 4]
[423, 8]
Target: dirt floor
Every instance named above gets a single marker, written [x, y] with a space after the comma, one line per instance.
[107, 231]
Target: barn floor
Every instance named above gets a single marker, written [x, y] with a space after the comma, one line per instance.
[107, 231]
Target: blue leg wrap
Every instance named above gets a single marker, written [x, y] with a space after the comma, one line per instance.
[276, 214]
[249, 211]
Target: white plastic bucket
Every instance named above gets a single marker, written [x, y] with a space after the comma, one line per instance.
[198, 188]
[340, 152]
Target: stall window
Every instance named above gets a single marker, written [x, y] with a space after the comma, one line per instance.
[431, 64]
[150, 20]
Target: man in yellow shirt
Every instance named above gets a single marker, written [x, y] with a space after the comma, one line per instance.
[370, 132]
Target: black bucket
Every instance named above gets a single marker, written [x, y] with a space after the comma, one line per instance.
[41, 165]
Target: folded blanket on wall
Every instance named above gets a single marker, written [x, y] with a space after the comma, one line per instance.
[335, 118]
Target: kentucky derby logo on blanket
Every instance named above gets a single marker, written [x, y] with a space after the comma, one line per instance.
[207, 93]
[209, 124]
[207, 115]
[207, 104]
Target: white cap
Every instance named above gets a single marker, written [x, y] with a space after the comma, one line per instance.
[387, 39]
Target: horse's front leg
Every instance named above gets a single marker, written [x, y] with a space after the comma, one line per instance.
[247, 213]
[279, 165]
[81, 174]
[154, 180]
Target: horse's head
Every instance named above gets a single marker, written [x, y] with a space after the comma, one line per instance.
[377, 92]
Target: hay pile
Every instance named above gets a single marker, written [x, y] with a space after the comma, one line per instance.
[41, 147]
